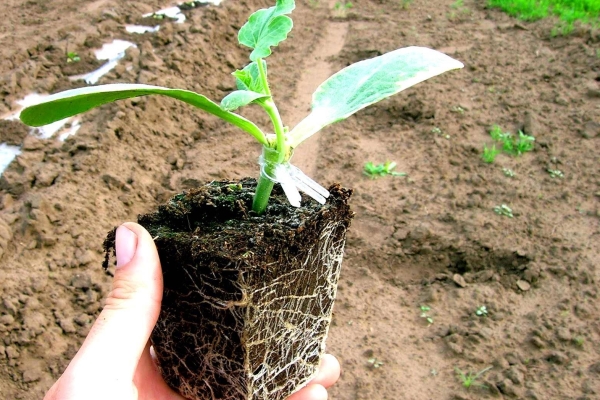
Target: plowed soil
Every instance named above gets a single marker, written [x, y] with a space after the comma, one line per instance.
[431, 238]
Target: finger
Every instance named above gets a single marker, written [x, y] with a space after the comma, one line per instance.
[329, 371]
[119, 335]
[148, 380]
[310, 392]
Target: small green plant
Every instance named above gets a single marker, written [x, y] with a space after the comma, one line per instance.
[375, 362]
[513, 145]
[73, 57]
[458, 110]
[489, 153]
[158, 16]
[568, 11]
[425, 314]
[470, 379]
[405, 4]
[579, 341]
[343, 94]
[342, 7]
[375, 171]
[556, 173]
[508, 172]
[503, 210]
[481, 311]
[457, 4]
[523, 144]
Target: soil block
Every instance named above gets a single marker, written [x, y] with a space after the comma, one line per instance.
[247, 299]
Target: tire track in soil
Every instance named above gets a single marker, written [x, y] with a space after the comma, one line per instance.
[315, 71]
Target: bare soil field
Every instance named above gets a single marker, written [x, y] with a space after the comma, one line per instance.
[428, 240]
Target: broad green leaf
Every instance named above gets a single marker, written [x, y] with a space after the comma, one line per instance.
[240, 98]
[249, 78]
[367, 82]
[266, 28]
[73, 102]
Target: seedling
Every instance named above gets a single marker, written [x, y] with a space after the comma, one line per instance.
[556, 173]
[579, 341]
[375, 171]
[340, 96]
[425, 314]
[375, 362]
[470, 379]
[343, 5]
[524, 143]
[481, 311]
[503, 210]
[510, 144]
[73, 57]
[489, 153]
[405, 4]
[508, 172]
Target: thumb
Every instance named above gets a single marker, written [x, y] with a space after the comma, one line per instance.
[119, 335]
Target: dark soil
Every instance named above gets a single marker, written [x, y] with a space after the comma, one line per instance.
[431, 238]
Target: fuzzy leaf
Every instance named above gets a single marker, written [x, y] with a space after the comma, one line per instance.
[367, 82]
[266, 28]
[73, 102]
[249, 78]
[240, 98]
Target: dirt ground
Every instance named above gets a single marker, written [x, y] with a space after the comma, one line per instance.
[429, 239]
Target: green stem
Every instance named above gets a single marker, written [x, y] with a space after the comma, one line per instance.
[263, 75]
[271, 155]
[265, 185]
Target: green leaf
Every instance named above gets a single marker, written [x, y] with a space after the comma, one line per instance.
[72, 102]
[266, 28]
[240, 98]
[249, 78]
[367, 82]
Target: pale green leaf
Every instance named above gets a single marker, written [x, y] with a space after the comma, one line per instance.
[266, 28]
[240, 98]
[72, 102]
[249, 78]
[367, 82]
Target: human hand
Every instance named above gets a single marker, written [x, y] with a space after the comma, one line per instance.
[114, 361]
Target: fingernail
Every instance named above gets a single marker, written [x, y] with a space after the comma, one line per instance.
[125, 244]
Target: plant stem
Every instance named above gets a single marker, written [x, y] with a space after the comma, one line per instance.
[271, 156]
[263, 75]
[265, 185]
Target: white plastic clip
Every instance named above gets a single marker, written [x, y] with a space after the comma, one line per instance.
[291, 180]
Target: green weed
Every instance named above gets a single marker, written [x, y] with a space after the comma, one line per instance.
[511, 144]
[504, 210]
[470, 379]
[375, 362]
[405, 4]
[508, 172]
[375, 171]
[425, 314]
[481, 311]
[489, 153]
[556, 173]
[568, 11]
[73, 57]
[342, 7]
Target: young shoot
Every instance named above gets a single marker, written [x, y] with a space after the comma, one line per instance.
[73, 57]
[425, 314]
[503, 210]
[470, 379]
[481, 311]
[343, 94]
[375, 171]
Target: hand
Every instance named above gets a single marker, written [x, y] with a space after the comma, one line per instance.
[114, 361]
